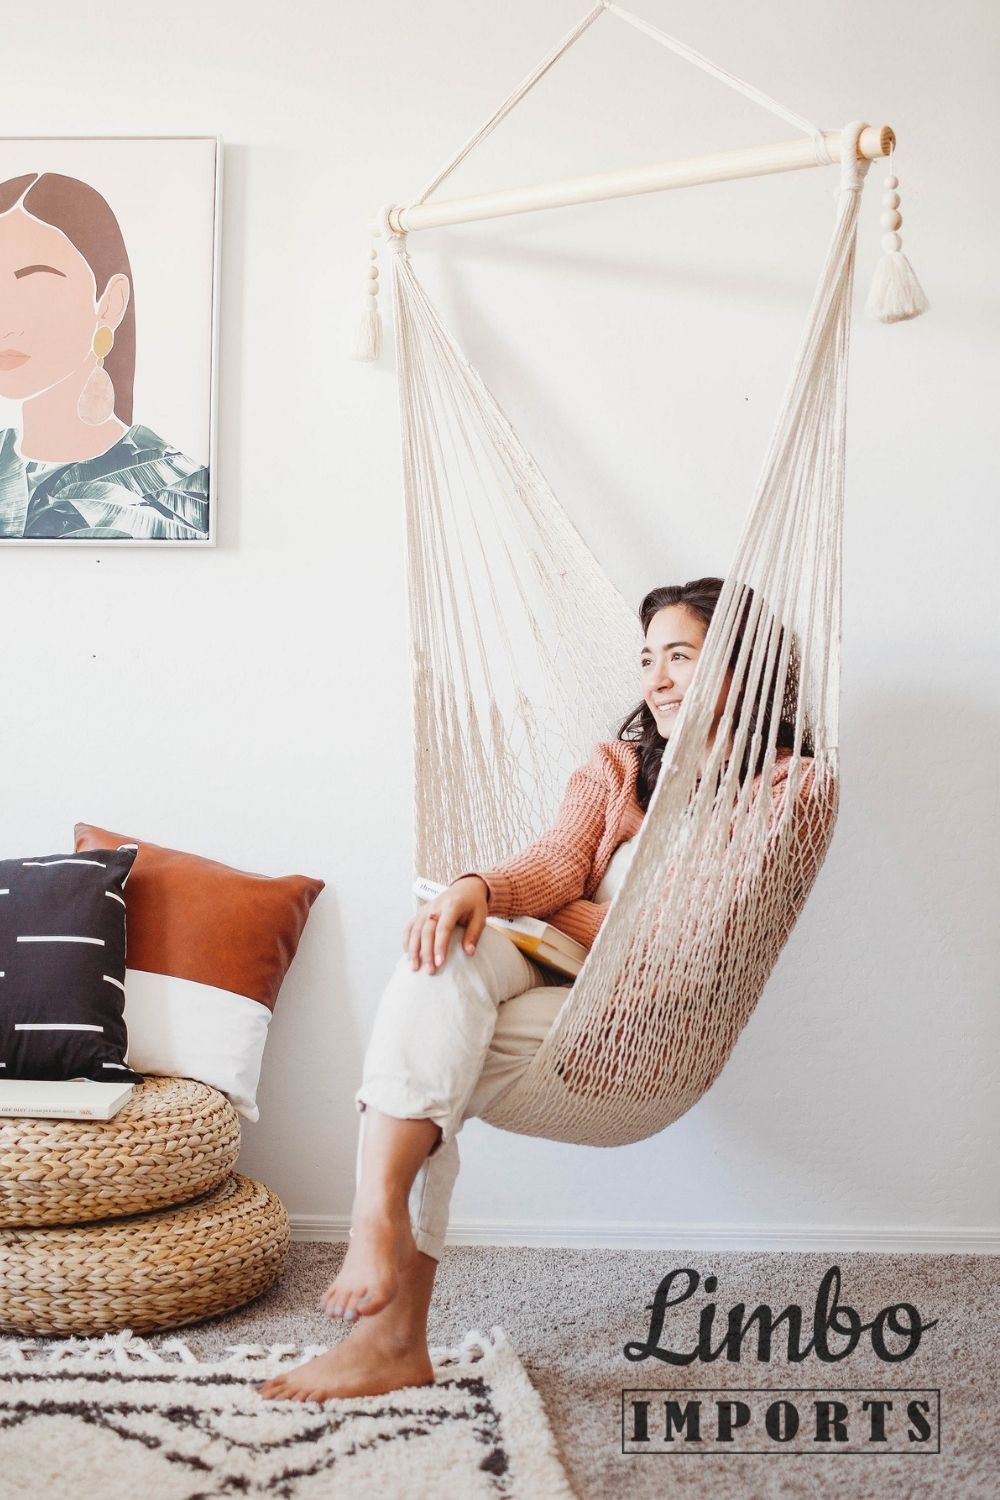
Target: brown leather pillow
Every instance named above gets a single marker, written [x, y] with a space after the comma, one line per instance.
[208, 948]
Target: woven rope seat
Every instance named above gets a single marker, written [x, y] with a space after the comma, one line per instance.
[175, 1139]
[153, 1271]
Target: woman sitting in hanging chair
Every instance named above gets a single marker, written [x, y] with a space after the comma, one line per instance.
[465, 1011]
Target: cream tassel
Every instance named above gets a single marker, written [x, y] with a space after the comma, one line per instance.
[368, 339]
[895, 293]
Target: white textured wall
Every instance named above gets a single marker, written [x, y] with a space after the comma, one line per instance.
[251, 702]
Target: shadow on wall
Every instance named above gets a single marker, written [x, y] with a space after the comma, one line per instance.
[891, 1033]
[842, 1092]
[510, 370]
[879, 1025]
[232, 323]
[654, 273]
[594, 453]
[312, 1060]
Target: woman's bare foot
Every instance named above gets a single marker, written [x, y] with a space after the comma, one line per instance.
[370, 1362]
[384, 1352]
[381, 1242]
[385, 1281]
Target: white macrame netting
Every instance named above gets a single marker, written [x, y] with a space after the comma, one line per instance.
[525, 655]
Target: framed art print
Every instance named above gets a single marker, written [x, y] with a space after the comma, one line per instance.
[109, 265]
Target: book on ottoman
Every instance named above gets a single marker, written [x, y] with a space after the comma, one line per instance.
[62, 1099]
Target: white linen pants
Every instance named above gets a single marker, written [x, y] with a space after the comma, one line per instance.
[447, 1046]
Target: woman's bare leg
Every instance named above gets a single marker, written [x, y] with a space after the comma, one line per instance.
[387, 1347]
[382, 1353]
[385, 1281]
[392, 1154]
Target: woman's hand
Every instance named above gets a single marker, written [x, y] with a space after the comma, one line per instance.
[426, 935]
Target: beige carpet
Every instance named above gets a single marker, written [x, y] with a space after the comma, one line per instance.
[569, 1312]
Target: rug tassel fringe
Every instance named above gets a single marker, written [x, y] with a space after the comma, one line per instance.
[125, 1347]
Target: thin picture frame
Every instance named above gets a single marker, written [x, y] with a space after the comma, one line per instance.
[209, 287]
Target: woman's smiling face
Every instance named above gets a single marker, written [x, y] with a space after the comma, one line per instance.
[670, 654]
[48, 309]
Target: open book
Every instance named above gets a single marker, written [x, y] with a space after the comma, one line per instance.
[63, 1098]
[540, 941]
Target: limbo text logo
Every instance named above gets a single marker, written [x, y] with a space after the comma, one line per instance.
[841, 1419]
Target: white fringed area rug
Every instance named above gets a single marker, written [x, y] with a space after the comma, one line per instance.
[111, 1418]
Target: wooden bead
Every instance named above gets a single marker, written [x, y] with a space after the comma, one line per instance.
[891, 219]
[373, 273]
[891, 181]
[890, 200]
[892, 242]
[372, 289]
[373, 253]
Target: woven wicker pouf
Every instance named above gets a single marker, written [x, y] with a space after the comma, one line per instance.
[147, 1272]
[174, 1139]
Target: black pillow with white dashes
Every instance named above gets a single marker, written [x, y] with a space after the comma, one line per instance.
[62, 966]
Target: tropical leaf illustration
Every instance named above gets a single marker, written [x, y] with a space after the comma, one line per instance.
[144, 522]
[141, 488]
[13, 488]
[98, 489]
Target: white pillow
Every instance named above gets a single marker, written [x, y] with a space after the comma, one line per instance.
[207, 950]
[183, 1029]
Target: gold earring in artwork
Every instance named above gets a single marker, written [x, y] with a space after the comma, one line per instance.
[96, 402]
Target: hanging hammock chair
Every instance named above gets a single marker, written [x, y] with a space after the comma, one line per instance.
[523, 653]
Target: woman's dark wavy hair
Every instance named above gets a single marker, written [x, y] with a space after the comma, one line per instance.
[701, 596]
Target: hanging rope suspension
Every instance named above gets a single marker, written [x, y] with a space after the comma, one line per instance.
[522, 649]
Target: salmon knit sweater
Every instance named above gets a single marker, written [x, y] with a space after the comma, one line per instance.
[557, 875]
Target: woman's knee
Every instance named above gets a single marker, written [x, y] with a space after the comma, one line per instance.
[496, 967]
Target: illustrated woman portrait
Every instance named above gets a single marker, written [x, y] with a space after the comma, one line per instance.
[79, 467]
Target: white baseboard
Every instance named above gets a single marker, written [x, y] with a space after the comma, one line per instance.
[889, 1240]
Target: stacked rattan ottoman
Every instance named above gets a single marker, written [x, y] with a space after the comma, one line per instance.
[135, 1222]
